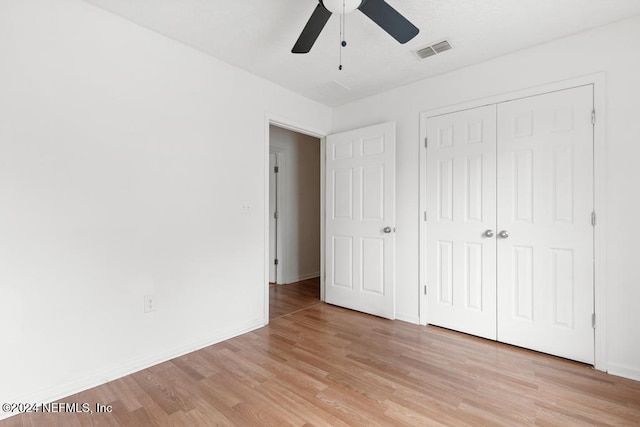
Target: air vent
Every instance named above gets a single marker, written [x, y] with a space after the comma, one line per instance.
[433, 49]
[426, 52]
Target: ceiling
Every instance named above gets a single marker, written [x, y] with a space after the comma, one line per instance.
[257, 36]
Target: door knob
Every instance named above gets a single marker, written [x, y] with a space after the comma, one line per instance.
[387, 230]
[488, 233]
[503, 234]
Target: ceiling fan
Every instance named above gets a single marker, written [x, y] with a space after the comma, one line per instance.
[379, 11]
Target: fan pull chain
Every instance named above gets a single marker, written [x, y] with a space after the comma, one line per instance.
[343, 43]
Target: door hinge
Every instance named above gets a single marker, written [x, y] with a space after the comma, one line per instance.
[276, 215]
[593, 320]
[275, 261]
[593, 116]
[425, 289]
[425, 216]
[593, 218]
[426, 143]
[276, 169]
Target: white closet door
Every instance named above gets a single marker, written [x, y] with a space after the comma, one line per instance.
[360, 220]
[545, 202]
[461, 218]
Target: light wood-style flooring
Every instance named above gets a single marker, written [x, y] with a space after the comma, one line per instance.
[324, 365]
[287, 299]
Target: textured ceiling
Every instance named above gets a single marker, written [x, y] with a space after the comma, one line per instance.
[257, 36]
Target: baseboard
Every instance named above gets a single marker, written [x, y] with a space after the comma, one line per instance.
[408, 318]
[302, 277]
[623, 371]
[113, 373]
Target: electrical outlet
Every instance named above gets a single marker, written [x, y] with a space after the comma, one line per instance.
[149, 303]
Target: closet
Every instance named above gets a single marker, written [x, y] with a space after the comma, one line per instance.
[509, 228]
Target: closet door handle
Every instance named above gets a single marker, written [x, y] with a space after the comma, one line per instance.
[504, 234]
[488, 233]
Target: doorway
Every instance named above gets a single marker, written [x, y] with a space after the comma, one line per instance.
[294, 206]
[367, 154]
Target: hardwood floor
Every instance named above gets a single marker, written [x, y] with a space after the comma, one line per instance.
[287, 299]
[324, 365]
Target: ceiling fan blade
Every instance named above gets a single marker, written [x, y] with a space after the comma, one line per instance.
[312, 30]
[389, 19]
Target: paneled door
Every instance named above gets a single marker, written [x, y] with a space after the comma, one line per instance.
[360, 220]
[509, 232]
[545, 236]
[461, 221]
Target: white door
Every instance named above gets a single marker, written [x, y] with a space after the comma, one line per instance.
[273, 218]
[522, 170]
[360, 220]
[545, 237]
[461, 220]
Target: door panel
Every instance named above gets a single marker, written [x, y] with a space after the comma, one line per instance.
[545, 200]
[360, 203]
[342, 262]
[461, 259]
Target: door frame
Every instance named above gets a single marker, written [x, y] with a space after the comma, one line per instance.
[277, 152]
[598, 81]
[292, 125]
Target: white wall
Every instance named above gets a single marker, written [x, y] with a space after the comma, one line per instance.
[299, 160]
[124, 158]
[612, 49]
[117, 147]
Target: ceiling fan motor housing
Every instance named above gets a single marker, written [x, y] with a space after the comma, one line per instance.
[336, 6]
